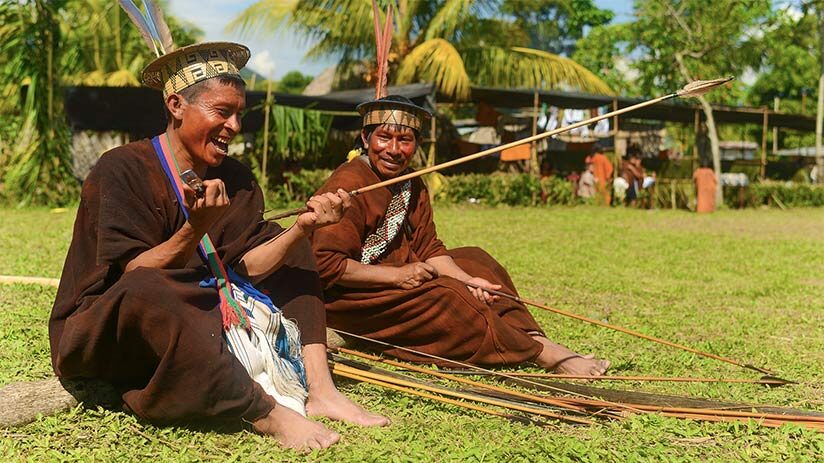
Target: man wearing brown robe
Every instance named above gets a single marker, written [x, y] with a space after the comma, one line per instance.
[131, 308]
[412, 292]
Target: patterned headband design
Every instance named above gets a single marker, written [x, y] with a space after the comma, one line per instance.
[189, 65]
[392, 116]
[390, 111]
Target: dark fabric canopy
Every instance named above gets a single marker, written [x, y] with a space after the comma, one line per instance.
[139, 110]
[676, 110]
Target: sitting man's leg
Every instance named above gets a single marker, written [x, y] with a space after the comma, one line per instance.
[296, 289]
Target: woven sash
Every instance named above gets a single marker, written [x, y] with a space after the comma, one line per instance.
[265, 342]
[375, 245]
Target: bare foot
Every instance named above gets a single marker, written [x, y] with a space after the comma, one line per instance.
[294, 431]
[559, 358]
[336, 406]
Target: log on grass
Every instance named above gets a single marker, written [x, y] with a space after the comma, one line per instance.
[24, 402]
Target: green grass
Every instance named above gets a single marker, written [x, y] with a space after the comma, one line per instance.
[742, 284]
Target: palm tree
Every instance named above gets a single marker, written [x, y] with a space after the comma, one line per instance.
[106, 49]
[444, 42]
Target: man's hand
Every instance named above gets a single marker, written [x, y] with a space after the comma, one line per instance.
[206, 210]
[415, 274]
[324, 210]
[480, 294]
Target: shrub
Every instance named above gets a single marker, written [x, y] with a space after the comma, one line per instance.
[786, 194]
[525, 190]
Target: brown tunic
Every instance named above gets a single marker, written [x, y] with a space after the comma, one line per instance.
[441, 316]
[155, 333]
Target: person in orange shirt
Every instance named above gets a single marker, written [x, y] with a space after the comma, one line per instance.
[602, 169]
[705, 185]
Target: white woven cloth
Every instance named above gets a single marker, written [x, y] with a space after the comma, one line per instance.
[256, 349]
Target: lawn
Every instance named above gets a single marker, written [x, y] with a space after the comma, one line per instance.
[742, 284]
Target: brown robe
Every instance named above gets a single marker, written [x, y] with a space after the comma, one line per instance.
[441, 316]
[155, 333]
[705, 185]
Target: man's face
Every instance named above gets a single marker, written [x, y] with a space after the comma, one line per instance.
[209, 123]
[390, 148]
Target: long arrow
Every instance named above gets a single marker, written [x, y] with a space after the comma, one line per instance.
[693, 89]
[625, 330]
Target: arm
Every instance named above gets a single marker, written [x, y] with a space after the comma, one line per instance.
[445, 265]
[409, 276]
[172, 253]
[177, 250]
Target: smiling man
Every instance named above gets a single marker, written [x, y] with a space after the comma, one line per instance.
[158, 293]
[388, 277]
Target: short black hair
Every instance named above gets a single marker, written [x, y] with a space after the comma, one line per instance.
[193, 92]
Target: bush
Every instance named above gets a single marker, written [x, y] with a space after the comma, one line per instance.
[785, 194]
[525, 190]
[509, 189]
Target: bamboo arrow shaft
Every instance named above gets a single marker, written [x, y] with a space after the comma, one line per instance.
[774, 382]
[438, 374]
[478, 368]
[487, 152]
[623, 330]
[408, 390]
[459, 395]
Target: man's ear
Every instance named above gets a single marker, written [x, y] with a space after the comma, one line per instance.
[364, 138]
[175, 104]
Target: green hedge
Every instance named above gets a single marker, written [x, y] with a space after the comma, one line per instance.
[524, 190]
[781, 194]
[509, 189]
[494, 189]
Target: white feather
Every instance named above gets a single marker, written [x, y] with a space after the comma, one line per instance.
[140, 22]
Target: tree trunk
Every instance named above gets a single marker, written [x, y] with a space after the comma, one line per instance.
[712, 133]
[819, 116]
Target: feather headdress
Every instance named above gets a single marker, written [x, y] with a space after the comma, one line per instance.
[177, 68]
[388, 109]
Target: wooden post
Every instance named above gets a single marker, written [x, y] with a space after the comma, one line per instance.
[534, 168]
[433, 138]
[819, 126]
[776, 102]
[267, 107]
[615, 141]
[764, 144]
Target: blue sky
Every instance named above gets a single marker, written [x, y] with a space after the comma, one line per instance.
[283, 52]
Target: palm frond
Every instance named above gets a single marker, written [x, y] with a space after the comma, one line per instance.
[337, 27]
[436, 61]
[262, 18]
[452, 13]
[518, 67]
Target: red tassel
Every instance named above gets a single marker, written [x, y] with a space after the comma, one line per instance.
[229, 315]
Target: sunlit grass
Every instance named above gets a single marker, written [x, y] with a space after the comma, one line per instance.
[746, 285]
